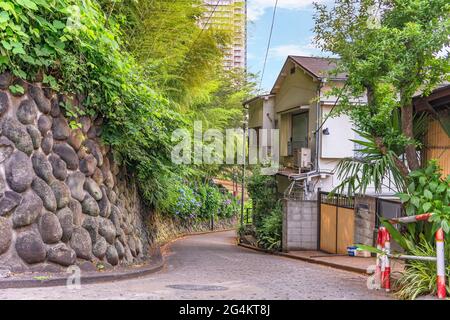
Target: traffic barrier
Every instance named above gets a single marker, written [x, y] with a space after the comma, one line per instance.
[383, 268]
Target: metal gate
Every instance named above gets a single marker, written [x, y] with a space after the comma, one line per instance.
[337, 222]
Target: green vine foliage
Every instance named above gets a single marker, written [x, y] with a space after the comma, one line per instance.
[267, 210]
[428, 192]
[200, 201]
[72, 47]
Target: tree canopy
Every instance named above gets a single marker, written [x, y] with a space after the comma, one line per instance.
[391, 50]
[145, 67]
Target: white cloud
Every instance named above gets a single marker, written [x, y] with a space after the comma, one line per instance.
[256, 8]
[282, 51]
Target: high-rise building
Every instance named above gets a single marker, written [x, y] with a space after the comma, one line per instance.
[230, 14]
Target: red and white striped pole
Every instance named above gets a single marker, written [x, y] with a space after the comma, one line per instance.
[411, 219]
[379, 258]
[440, 256]
[387, 265]
[383, 257]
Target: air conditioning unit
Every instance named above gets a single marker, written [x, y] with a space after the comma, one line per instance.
[302, 158]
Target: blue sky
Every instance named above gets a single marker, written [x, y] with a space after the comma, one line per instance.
[292, 35]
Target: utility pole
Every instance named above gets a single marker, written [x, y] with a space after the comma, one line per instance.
[244, 139]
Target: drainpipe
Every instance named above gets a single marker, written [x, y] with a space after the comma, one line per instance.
[318, 120]
[243, 163]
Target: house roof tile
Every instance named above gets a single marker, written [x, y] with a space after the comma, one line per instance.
[318, 67]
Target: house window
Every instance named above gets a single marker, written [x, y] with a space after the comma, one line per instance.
[299, 131]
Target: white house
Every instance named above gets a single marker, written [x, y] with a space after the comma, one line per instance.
[310, 143]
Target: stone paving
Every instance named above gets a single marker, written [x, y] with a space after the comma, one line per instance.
[211, 266]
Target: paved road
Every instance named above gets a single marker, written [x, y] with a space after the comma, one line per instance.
[211, 266]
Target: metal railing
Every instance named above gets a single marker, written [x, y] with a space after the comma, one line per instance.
[335, 199]
[248, 216]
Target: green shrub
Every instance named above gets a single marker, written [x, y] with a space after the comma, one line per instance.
[180, 200]
[211, 199]
[228, 206]
[419, 277]
[269, 234]
[267, 213]
[263, 192]
[429, 192]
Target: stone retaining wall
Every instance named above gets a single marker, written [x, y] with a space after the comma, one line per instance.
[63, 200]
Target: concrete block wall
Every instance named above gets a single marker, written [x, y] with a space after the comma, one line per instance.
[300, 219]
[365, 214]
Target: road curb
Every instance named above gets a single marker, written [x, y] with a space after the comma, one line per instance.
[98, 277]
[310, 260]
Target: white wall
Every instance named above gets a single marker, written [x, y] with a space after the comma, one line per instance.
[337, 144]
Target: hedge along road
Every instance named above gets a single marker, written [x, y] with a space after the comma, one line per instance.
[211, 266]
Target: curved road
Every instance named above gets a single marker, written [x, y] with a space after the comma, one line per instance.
[211, 266]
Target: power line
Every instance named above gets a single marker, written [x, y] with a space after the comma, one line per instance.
[201, 31]
[206, 24]
[268, 44]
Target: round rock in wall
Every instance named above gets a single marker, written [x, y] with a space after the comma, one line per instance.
[47, 143]
[42, 166]
[66, 153]
[91, 225]
[93, 189]
[43, 190]
[88, 165]
[62, 193]
[18, 171]
[90, 206]
[112, 196]
[35, 136]
[81, 243]
[120, 250]
[6, 149]
[76, 138]
[104, 204]
[60, 128]
[108, 179]
[30, 247]
[9, 201]
[85, 122]
[18, 134]
[5, 235]
[50, 228]
[42, 102]
[59, 167]
[75, 207]
[99, 248]
[98, 176]
[106, 229]
[75, 182]
[44, 124]
[112, 256]
[55, 110]
[6, 79]
[62, 254]
[65, 217]
[28, 210]
[132, 246]
[4, 103]
[27, 112]
[94, 149]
